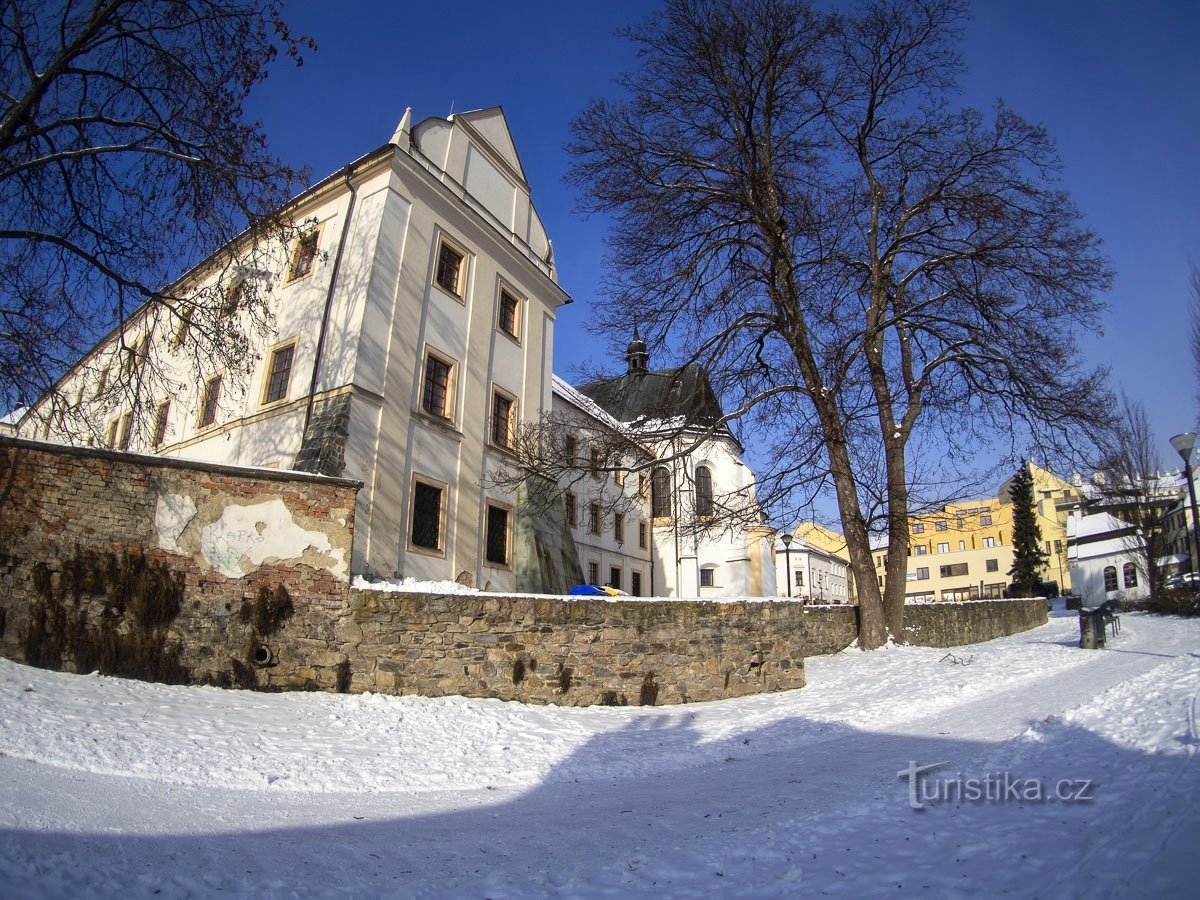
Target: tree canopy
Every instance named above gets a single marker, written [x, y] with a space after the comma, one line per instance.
[125, 158]
[879, 281]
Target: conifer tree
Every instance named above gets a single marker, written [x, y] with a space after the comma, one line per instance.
[1028, 557]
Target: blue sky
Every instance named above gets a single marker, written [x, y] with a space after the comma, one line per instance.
[1116, 83]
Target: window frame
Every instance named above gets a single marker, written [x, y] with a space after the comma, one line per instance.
[488, 507]
[510, 427]
[619, 527]
[708, 576]
[704, 491]
[297, 253]
[459, 291]
[450, 400]
[571, 508]
[206, 418]
[661, 499]
[291, 344]
[126, 432]
[1129, 575]
[595, 518]
[443, 490]
[162, 416]
[506, 291]
[1110, 579]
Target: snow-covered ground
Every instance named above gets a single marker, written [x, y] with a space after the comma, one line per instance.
[115, 788]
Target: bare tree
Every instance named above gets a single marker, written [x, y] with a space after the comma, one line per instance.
[865, 269]
[125, 159]
[1194, 315]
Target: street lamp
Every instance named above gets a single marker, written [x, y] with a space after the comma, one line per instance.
[1184, 444]
[787, 560]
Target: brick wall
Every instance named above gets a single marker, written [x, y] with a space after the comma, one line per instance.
[159, 567]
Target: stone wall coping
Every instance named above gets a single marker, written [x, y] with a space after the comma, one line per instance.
[175, 462]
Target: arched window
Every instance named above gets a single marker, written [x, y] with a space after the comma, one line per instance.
[704, 492]
[1130, 575]
[660, 493]
[1110, 578]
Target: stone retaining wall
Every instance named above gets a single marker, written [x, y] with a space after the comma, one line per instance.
[955, 624]
[187, 572]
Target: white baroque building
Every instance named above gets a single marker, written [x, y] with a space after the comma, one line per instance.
[708, 535]
[410, 339]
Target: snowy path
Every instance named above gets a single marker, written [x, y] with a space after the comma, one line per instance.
[113, 787]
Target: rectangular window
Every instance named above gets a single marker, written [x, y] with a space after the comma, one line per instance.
[597, 461]
[181, 327]
[941, 526]
[798, 578]
[992, 565]
[918, 528]
[161, 417]
[427, 516]
[923, 573]
[619, 527]
[985, 519]
[503, 420]
[920, 550]
[126, 427]
[954, 570]
[497, 535]
[989, 542]
[593, 573]
[614, 577]
[449, 270]
[304, 254]
[635, 583]
[944, 548]
[962, 545]
[279, 374]
[110, 439]
[435, 396]
[101, 384]
[508, 313]
[706, 577]
[642, 535]
[569, 503]
[209, 401]
[594, 518]
[619, 472]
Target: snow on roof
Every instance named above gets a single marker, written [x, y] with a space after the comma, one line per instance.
[590, 407]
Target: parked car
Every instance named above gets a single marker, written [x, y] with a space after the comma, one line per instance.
[1181, 581]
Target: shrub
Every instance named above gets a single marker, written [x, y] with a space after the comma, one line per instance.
[1170, 603]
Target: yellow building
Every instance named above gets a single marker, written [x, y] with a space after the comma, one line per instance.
[964, 550]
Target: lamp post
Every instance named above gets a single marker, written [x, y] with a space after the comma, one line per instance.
[1184, 444]
[787, 560]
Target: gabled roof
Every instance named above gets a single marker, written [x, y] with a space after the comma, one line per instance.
[492, 126]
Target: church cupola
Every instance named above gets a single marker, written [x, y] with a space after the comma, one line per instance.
[636, 354]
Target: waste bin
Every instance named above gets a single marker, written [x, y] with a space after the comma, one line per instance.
[1091, 628]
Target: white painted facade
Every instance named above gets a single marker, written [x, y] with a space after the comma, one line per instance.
[362, 321]
[810, 574]
[605, 510]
